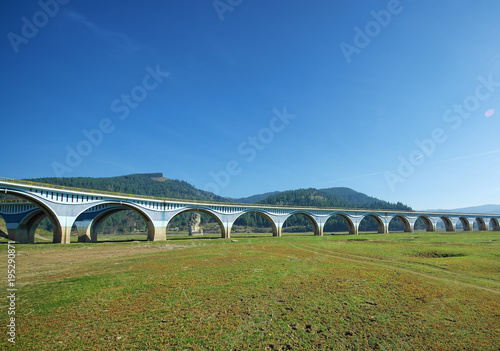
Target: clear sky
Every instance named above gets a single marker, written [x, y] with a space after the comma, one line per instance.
[396, 99]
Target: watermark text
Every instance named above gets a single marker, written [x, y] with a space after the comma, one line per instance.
[11, 291]
[31, 26]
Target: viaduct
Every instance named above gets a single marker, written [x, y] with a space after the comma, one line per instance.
[87, 209]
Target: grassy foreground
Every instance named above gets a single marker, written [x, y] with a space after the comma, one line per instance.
[420, 291]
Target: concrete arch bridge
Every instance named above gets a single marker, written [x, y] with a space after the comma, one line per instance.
[87, 209]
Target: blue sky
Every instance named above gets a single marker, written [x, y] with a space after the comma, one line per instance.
[396, 99]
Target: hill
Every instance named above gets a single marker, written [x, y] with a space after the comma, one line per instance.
[331, 197]
[360, 200]
[149, 184]
[254, 198]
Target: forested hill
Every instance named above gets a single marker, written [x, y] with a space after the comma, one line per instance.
[150, 184]
[332, 197]
[360, 200]
[255, 198]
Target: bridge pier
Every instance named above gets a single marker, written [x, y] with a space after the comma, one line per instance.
[83, 231]
[278, 230]
[495, 225]
[225, 232]
[21, 235]
[319, 231]
[62, 235]
[467, 224]
[25, 231]
[482, 225]
[157, 234]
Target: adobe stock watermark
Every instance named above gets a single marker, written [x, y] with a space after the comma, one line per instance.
[454, 116]
[249, 149]
[31, 26]
[121, 106]
[363, 35]
[11, 291]
[223, 6]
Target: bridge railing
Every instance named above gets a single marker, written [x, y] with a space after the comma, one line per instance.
[91, 191]
[12, 201]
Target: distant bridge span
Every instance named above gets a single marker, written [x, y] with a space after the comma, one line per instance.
[87, 209]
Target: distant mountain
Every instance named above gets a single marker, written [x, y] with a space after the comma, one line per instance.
[488, 209]
[254, 198]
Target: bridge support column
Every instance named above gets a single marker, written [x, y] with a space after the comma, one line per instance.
[468, 224]
[11, 233]
[158, 234]
[482, 225]
[430, 224]
[319, 230]
[385, 229]
[495, 225]
[157, 230]
[226, 232]
[277, 231]
[21, 235]
[62, 235]
[83, 231]
[25, 232]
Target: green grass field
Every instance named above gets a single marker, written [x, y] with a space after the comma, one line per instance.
[418, 291]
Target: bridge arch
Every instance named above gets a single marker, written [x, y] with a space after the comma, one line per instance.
[309, 216]
[465, 224]
[113, 207]
[207, 211]
[350, 225]
[92, 229]
[481, 224]
[26, 232]
[30, 223]
[429, 226]
[378, 220]
[448, 224]
[276, 227]
[495, 225]
[407, 228]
